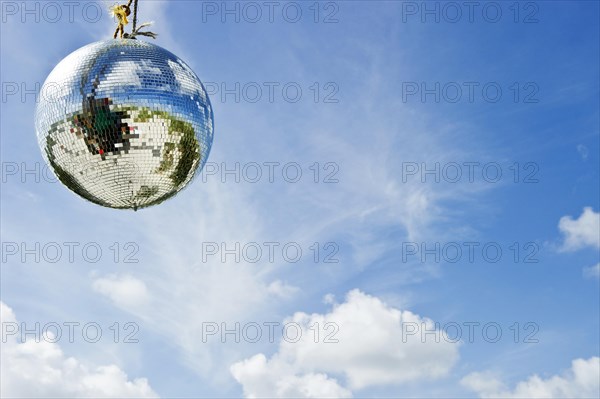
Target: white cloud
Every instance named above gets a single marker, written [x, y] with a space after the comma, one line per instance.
[282, 289]
[583, 151]
[360, 339]
[592, 271]
[262, 379]
[582, 380]
[125, 290]
[582, 232]
[483, 383]
[41, 369]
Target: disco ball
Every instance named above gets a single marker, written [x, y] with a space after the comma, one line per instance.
[124, 123]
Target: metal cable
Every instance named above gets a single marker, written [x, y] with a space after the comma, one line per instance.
[135, 7]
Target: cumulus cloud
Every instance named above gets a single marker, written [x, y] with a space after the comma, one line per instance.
[282, 289]
[582, 232]
[124, 289]
[582, 380]
[41, 369]
[363, 340]
[261, 378]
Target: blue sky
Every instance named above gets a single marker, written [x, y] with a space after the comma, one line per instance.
[370, 57]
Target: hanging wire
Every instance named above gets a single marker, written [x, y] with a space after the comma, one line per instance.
[136, 30]
[135, 4]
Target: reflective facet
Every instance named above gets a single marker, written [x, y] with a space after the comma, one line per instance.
[124, 123]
